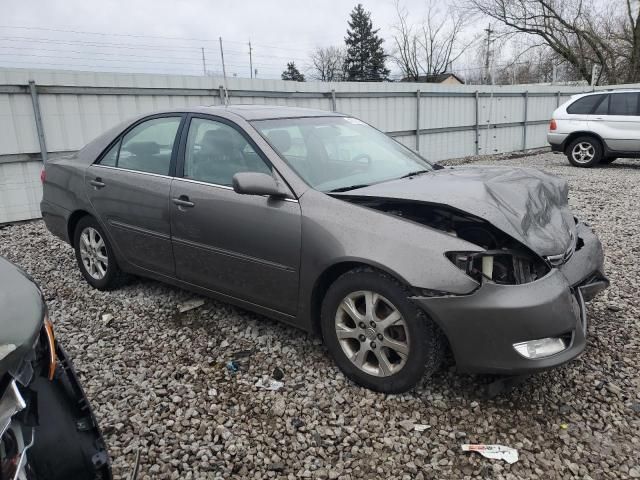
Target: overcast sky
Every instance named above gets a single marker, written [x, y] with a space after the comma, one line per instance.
[166, 35]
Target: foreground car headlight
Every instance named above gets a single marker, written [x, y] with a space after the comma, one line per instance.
[544, 347]
[13, 446]
[507, 267]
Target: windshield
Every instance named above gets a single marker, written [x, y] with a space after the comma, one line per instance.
[339, 153]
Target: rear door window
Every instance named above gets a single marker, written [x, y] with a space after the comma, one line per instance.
[585, 105]
[146, 148]
[603, 107]
[623, 104]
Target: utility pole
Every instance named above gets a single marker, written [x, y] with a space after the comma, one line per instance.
[488, 55]
[224, 74]
[593, 74]
[250, 61]
[224, 69]
[204, 63]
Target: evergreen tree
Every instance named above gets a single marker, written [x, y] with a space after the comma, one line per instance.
[365, 57]
[292, 73]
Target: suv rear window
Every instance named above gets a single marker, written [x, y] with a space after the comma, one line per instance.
[585, 105]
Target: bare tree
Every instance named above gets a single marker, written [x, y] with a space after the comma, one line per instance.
[328, 64]
[431, 46]
[581, 32]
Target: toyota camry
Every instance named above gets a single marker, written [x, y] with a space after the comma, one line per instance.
[321, 221]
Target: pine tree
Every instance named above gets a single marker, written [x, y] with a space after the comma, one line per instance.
[365, 57]
[292, 73]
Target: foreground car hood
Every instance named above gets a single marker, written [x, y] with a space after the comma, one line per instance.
[21, 315]
[527, 204]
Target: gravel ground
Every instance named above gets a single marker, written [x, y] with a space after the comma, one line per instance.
[158, 382]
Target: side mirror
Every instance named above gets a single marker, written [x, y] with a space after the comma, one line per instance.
[254, 183]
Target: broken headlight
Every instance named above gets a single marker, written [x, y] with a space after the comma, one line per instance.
[506, 267]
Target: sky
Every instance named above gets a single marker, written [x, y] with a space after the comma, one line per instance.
[166, 36]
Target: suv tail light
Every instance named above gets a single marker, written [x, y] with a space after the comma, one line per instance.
[552, 124]
[43, 175]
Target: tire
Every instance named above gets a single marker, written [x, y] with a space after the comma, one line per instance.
[104, 275]
[584, 152]
[418, 340]
[608, 160]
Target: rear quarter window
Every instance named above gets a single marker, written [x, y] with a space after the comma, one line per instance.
[585, 105]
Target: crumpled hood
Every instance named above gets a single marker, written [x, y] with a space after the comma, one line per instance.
[21, 315]
[527, 204]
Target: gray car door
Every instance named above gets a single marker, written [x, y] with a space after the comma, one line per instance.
[244, 246]
[129, 188]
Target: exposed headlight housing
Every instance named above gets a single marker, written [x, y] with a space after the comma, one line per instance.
[544, 347]
[507, 267]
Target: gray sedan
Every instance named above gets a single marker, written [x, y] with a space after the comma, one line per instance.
[323, 222]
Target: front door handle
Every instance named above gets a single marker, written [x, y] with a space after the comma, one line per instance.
[183, 201]
[97, 183]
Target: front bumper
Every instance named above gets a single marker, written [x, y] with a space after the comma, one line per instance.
[66, 440]
[483, 326]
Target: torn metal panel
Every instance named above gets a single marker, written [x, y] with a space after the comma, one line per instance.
[527, 204]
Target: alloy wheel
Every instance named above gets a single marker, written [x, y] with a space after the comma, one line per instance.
[583, 152]
[372, 333]
[93, 252]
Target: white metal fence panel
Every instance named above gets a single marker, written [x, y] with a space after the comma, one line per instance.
[441, 121]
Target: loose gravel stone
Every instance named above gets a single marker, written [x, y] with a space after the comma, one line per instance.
[158, 382]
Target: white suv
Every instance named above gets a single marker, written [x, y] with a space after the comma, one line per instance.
[597, 127]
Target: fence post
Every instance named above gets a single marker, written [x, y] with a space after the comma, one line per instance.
[36, 113]
[524, 126]
[333, 100]
[557, 98]
[418, 120]
[477, 123]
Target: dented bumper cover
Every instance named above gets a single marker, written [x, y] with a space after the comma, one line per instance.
[482, 327]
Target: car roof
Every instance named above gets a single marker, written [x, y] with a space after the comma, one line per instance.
[264, 112]
[608, 90]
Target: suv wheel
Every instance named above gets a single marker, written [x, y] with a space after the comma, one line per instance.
[584, 152]
[95, 256]
[377, 337]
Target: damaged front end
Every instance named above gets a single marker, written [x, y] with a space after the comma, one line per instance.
[527, 312]
[47, 428]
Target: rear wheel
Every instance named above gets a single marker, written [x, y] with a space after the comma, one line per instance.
[377, 337]
[95, 256]
[584, 152]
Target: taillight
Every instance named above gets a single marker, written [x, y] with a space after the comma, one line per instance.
[43, 175]
[552, 124]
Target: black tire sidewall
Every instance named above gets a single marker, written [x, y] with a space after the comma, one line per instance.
[417, 361]
[597, 146]
[109, 280]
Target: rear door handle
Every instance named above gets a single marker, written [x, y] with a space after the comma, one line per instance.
[183, 201]
[98, 183]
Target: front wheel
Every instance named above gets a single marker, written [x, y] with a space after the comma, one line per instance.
[377, 337]
[95, 256]
[584, 152]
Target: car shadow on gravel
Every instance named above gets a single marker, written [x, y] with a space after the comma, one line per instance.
[448, 385]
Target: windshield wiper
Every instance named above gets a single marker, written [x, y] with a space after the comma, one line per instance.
[346, 189]
[413, 174]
